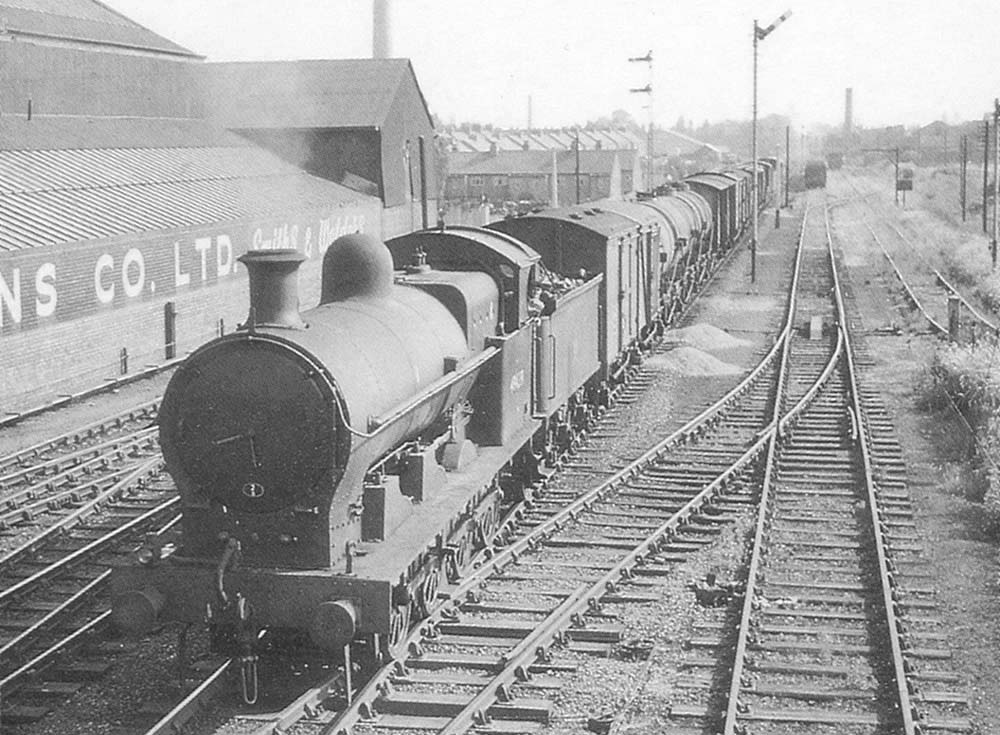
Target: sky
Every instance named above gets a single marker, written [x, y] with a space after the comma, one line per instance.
[908, 61]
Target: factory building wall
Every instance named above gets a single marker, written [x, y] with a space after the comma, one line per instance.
[406, 122]
[67, 312]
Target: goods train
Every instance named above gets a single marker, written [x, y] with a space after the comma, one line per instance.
[335, 465]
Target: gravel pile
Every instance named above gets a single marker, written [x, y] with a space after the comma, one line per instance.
[692, 361]
[703, 337]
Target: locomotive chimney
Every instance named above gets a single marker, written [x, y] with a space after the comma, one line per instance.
[274, 289]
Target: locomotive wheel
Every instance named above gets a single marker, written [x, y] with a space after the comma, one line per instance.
[486, 526]
[398, 621]
[455, 560]
[427, 592]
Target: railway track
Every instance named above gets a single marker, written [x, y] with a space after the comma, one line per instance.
[312, 701]
[54, 617]
[72, 441]
[71, 506]
[925, 288]
[488, 652]
[827, 637]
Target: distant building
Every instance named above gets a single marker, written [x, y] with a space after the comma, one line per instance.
[526, 175]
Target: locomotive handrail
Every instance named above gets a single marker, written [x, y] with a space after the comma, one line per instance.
[430, 392]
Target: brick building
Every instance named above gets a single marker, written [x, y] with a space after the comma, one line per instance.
[526, 175]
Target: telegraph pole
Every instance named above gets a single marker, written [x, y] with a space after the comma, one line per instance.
[648, 89]
[986, 165]
[996, 179]
[963, 151]
[759, 34]
[788, 159]
[895, 183]
[576, 173]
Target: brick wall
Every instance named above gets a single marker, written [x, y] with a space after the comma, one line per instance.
[78, 345]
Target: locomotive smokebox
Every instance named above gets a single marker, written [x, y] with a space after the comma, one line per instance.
[274, 289]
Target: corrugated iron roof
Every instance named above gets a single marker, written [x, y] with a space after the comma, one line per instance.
[331, 93]
[57, 132]
[63, 196]
[86, 21]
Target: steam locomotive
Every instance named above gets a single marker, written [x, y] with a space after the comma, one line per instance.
[336, 465]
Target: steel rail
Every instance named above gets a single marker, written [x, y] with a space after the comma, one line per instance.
[46, 657]
[94, 547]
[886, 581]
[365, 701]
[55, 617]
[608, 582]
[935, 325]
[517, 660]
[907, 288]
[885, 577]
[307, 705]
[944, 282]
[58, 499]
[756, 558]
[173, 722]
[139, 475]
[97, 427]
[79, 461]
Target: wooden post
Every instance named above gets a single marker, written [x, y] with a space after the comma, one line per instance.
[996, 178]
[963, 150]
[423, 182]
[788, 158]
[954, 317]
[986, 166]
[895, 184]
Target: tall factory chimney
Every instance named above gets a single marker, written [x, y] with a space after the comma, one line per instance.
[849, 111]
[381, 29]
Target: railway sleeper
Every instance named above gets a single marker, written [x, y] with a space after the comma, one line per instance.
[423, 705]
[459, 678]
[509, 628]
[22, 714]
[433, 660]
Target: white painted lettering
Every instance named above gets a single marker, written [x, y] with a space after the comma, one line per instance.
[134, 287]
[180, 279]
[11, 297]
[105, 294]
[45, 290]
[202, 244]
[224, 266]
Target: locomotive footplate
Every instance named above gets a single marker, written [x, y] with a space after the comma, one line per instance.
[193, 590]
[447, 510]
